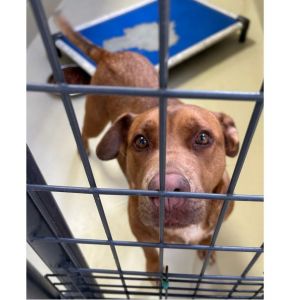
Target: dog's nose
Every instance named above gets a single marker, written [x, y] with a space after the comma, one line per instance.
[174, 183]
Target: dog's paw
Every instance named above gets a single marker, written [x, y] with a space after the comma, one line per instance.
[202, 255]
[153, 267]
[155, 282]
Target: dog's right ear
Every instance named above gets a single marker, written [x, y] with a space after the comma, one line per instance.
[109, 146]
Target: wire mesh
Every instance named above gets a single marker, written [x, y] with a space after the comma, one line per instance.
[66, 283]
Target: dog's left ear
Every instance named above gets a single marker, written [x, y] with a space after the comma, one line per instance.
[230, 134]
[110, 145]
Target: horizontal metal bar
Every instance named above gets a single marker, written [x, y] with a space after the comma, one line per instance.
[127, 192]
[58, 275]
[173, 275]
[203, 296]
[207, 281]
[146, 92]
[154, 287]
[145, 244]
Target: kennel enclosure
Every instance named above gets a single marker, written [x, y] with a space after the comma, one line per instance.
[48, 234]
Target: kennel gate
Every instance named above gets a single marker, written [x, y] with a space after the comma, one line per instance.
[49, 235]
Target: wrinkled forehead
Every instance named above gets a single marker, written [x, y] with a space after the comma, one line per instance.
[179, 118]
[145, 122]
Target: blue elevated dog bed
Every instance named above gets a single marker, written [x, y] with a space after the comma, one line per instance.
[194, 26]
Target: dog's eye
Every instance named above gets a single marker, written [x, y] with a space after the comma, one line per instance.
[203, 139]
[140, 142]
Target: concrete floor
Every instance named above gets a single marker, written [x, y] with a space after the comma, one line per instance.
[225, 66]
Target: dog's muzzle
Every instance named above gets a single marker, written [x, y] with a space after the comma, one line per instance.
[174, 182]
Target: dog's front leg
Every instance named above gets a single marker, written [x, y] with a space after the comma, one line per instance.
[152, 260]
[143, 234]
[202, 253]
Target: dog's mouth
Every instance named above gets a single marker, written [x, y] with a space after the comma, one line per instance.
[170, 203]
[176, 211]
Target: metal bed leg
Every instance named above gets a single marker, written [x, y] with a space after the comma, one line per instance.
[246, 23]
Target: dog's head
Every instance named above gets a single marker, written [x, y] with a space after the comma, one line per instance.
[197, 142]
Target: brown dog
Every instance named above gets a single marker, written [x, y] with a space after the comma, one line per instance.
[197, 142]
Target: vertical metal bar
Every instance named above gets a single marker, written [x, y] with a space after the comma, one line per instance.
[257, 292]
[75, 279]
[42, 24]
[164, 7]
[72, 278]
[164, 17]
[236, 173]
[247, 269]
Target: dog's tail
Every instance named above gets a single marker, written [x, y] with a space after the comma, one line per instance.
[94, 52]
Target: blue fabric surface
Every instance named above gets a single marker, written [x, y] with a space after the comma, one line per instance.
[194, 23]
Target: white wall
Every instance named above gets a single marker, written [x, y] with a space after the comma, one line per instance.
[31, 29]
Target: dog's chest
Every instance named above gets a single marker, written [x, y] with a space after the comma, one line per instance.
[192, 234]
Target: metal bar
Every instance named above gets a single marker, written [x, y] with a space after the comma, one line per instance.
[127, 192]
[208, 281]
[170, 294]
[143, 244]
[49, 281]
[147, 92]
[253, 261]
[75, 281]
[44, 218]
[260, 290]
[38, 287]
[154, 287]
[236, 173]
[246, 145]
[164, 16]
[58, 275]
[164, 12]
[247, 269]
[58, 75]
[246, 23]
[173, 275]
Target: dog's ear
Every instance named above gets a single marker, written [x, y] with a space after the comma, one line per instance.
[109, 147]
[230, 134]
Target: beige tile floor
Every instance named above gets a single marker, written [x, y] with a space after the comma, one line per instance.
[225, 66]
